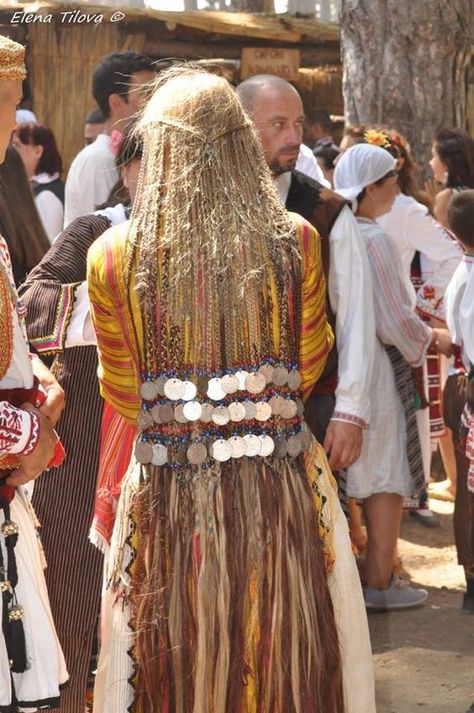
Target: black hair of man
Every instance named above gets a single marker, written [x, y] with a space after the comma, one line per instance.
[461, 217]
[95, 116]
[320, 117]
[112, 75]
[250, 88]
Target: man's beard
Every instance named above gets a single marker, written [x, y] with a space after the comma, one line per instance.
[281, 165]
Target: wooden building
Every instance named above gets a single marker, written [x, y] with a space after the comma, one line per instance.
[64, 42]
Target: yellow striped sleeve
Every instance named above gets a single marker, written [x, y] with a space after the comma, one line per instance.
[118, 357]
[316, 338]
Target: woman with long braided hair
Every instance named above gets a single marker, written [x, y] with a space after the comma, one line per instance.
[231, 587]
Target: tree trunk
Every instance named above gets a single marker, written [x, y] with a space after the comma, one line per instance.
[405, 65]
[301, 7]
[190, 5]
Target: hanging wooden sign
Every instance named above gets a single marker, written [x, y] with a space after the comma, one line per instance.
[281, 61]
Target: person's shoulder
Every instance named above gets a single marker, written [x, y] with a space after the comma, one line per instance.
[96, 152]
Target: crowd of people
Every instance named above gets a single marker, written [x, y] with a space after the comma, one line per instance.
[230, 343]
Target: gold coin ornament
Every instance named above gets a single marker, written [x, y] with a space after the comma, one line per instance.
[174, 389]
[155, 413]
[299, 407]
[197, 453]
[215, 390]
[230, 383]
[281, 447]
[267, 371]
[160, 454]
[148, 391]
[206, 415]
[267, 446]
[263, 411]
[250, 410]
[305, 439]
[294, 446]
[236, 411]
[280, 376]
[179, 414]
[143, 452]
[294, 380]
[238, 446]
[192, 410]
[160, 385]
[166, 413]
[221, 450]
[190, 391]
[255, 383]
[276, 404]
[289, 408]
[253, 445]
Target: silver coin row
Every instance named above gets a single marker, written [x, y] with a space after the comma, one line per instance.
[220, 415]
[223, 449]
[221, 386]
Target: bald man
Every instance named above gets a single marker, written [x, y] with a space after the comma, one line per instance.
[338, 409]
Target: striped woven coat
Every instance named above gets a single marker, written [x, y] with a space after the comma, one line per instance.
[64, 499]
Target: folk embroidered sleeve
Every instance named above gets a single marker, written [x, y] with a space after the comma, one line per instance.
[19, 430]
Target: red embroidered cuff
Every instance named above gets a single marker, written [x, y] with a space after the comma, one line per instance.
[349, 418]
[34, 435]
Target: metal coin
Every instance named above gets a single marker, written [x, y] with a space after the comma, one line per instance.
[144, 420]
[241, 377]
[250, 410]
[221, 450]
[305, 439]
[294, 380]
[192, 410]
[253, 445]
[299, 407]
[179, 414]
[238, 446]
[280, 376]
[155, 413]
[197, 453]
[148, 391]
[215, 390]
[190, 391]
[289, 409]
[230, 383]
[263, 411]
[255, 383]
[174, 389]
[267, 371]
[165, 413]
[160, 384]
[294, 446]
[206, 415]
[221, 415]
[143, 452]
[267, 446]
[276, 404]
[237, 411]
[281, 447]
[160, 454]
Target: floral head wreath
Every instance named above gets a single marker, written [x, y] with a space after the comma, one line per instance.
[377, 138]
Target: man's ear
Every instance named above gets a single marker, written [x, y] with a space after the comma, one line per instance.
[116, 101]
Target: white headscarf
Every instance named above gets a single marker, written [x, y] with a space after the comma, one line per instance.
[360, 166]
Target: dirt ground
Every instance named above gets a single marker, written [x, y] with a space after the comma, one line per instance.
[424, 658]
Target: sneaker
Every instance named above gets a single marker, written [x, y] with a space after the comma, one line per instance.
[425, 517]
[400, 595]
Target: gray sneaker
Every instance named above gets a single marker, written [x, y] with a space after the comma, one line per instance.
[400, 595]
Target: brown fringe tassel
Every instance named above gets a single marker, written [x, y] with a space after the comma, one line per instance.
[236, 540]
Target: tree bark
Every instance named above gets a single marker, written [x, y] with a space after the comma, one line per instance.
[302, 7]
[405, 65]
[253, 5]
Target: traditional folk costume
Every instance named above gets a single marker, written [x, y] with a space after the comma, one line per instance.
[391, 454]
[209, 330]
[55, 296]
[341, 392]
[32, 667]
[459, 403]
[413, 231]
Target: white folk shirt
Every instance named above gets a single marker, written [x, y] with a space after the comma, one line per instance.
[350, 296]
[459, 306]
[412, 229]
[50, 208]
[92, 176]
[308, 165]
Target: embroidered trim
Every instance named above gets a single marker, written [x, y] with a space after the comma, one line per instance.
[54, 342]
[349, 418]
[34, 436]
[6, 321]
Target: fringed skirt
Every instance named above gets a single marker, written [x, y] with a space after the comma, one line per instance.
[39, 685]
[233, 592]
